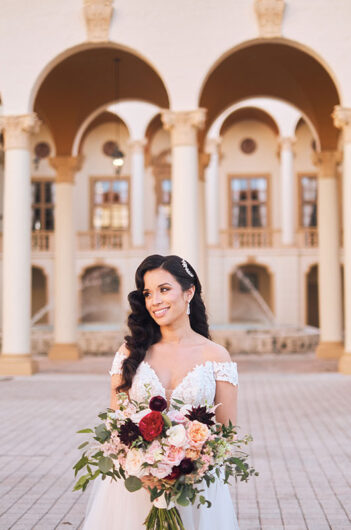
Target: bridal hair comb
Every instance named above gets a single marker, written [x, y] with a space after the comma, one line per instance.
[186, 268]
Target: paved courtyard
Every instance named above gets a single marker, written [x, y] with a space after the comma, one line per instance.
[297, 409]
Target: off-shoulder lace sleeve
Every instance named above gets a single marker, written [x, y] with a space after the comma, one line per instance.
[117, 363]
[226, 371]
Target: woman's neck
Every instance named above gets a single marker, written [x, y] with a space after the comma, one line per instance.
[176, 334]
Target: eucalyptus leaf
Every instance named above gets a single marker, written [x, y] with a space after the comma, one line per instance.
[105, 464]
[133, 483]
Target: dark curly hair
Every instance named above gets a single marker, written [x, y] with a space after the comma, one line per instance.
[144, 331]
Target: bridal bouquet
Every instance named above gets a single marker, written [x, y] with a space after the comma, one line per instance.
[168, 453]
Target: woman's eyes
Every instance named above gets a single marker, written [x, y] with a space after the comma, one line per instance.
[163, 289]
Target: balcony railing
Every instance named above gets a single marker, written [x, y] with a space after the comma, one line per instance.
[307, 238]
[42, 241]
[250, 238]
[103, 240]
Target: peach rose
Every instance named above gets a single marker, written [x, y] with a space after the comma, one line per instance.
[192, 453]
[197, 433]
[174, 455]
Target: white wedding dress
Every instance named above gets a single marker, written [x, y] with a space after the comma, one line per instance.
[112, 507]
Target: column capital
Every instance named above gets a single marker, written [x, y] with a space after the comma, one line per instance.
[183, 125]
[18, 128]
[213, 145]
[287, 142]
[342, 120]
[66, 168]
[137, 146]
[327, 162]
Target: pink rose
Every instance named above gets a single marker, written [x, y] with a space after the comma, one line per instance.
[197, 433]
[153, 453]
[161, 471]
[174, 455]
[177, 416]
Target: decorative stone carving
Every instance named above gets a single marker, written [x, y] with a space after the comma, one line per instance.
[17, 130]
[327, 162]
[184, 125]
[66, 167]
[342, 120]
[213, 145]
[98, 14]
[269, 17]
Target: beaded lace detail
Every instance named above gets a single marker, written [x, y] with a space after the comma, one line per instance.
[197, 387]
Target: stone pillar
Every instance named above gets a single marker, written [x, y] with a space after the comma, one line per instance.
[137, 192]
[16, 282]
[185, 173]
[212, 192]
[287, 190]
[329, 274]
[65, 284]
[342, 119]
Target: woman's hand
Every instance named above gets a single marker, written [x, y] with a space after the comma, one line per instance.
[151, 482]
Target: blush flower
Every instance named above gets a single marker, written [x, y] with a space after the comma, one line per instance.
[133, 463]
[174, 455]
[161, 471]
[197, 433]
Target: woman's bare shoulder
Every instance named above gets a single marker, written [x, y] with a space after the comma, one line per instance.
[215, 352]
[124, 350]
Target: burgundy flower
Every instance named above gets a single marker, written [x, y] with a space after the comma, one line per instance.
[151, 425]
[128, 432]
[158, 403]
[201, 414]
[175, 473]
[186, 466]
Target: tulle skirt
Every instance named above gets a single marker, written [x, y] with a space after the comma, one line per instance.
[112, 507]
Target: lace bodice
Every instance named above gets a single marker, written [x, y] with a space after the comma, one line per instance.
[196, 388]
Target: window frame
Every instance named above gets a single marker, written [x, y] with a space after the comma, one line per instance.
[110, 178]
[301, 175]
[249, 176]
[43, 205]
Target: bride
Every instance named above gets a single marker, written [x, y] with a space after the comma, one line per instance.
[169, 349]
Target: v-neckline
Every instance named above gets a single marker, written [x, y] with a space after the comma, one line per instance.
[198, 365]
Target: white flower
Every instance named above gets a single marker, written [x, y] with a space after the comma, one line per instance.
[133, 463]
[177, 435]
[139, 415]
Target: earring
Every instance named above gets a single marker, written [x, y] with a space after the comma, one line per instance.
[188, 309]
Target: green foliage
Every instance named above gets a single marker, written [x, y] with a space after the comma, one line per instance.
[133, 484]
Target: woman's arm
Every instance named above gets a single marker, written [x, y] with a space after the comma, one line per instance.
[116, 376]
[227, 395]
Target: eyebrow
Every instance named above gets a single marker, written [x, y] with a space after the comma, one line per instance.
[161, 285]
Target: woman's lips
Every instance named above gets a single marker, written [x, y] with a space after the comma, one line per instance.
[160, 312]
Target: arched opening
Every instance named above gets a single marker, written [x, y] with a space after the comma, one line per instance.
[312, 296]
[101, 295]
[39, 295]
[274, 69]
[63, 101]
[251, 294]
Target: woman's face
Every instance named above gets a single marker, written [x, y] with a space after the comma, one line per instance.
[164, 298]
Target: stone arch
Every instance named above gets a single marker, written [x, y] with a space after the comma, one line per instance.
[244, 306]
[40, 295]
[276, 72]
[100, 294]
[64, 105]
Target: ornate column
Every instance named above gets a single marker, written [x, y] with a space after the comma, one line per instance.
[329, 274]
[342, 119]
[212, 191]
[137, 192]
[287, 190]
[65, 285]
[16, 296]
[185, 172]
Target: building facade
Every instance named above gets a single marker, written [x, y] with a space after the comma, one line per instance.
[217, 131]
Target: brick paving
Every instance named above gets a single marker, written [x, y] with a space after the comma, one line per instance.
[297, 409]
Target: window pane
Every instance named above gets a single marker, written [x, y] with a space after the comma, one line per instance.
[309, 215]
[166, 191]
[239, 216]
[309, 188]
[48, 192]
[101, 218]
[120, 191]
[49, 219]
[259, 189]
[101, 191]
[119, 216]
[36, 192]
[239, 189]
[36, 222]
[259, 215]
